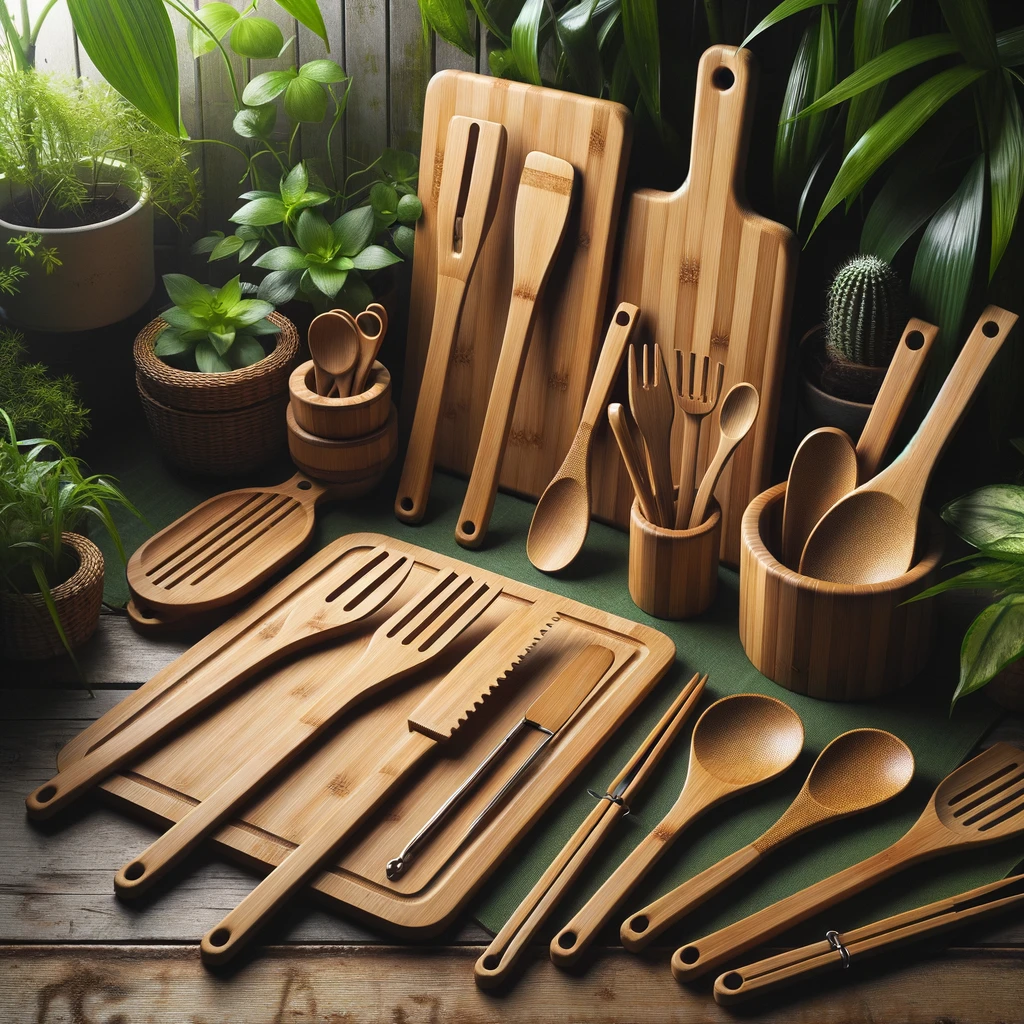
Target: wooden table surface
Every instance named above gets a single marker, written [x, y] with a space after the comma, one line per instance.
[70, 952]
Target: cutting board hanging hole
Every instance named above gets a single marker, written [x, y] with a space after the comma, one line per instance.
[722, 78]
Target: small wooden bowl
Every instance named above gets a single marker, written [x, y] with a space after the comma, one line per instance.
[673, 574]
[339, 418]
[830, 640]
[355, 464]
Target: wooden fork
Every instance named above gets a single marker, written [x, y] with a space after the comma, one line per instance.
[650, 400]
[696, 395]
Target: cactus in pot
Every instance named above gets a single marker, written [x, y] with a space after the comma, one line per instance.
[866, 312]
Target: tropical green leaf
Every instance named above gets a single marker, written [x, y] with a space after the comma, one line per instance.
[209, 360]
[284, 257]
[577, 35]
[182, 320]
[450, 20]
[249, 246]
[313, 234]
[525, 41]
[218, 19]
[971, 25]
[227, 246]
[267, 86]
[989, 574]
[263, 327]
[132, 46]
[327, 280]
[190, 295]
[221, 340]
[207, 243]
[384, 200]
[307, 12]
[405, 239]
[256, 37]
[260, 212]
[327, 72]
[640, 31]
[784, 10]
[246, 351]
[1005, 166]
[341, 263]
[355, 295]
[374, 257]
[229, 295]
[170, 343]
[410, 209]
[353, 230]
[294, 184]
[994, 640]
[305, 100]
[1010, 46]
[280, 286]
[255, 122]
[991, 518]
[400, 166]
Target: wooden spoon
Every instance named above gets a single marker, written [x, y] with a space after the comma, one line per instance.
[857, 770]
[869, 536]
[561, 519]
[623, 425]
[334, 346]
[737, 415]
[372, 325]
[738, 743]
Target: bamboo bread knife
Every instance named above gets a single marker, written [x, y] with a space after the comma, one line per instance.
[542, 211]
[437, 718]
[474, 157]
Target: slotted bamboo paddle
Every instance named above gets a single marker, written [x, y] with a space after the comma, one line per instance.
[327, 607]
[561, 519]
[542, 211]
[416, 634]
[497, 961]
[653, 408]
[740, 742]
[980, 802]
[448, 706]
[334, 346]
[225, 547]
[698, 388]
[474, 155]
[622, 423]
[857, 770]
[869, 535]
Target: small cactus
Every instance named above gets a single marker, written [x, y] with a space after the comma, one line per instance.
[866, 312]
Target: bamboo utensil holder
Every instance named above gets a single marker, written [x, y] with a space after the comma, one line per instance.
[340, 418]
[673, 574]
[829, 640]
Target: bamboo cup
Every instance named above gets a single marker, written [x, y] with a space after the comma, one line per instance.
[340, 418]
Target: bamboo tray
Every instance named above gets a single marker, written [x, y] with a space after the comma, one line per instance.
[437, 885]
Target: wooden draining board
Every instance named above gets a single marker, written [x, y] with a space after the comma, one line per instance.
[191, 765]
[594, 136]
[709, 276]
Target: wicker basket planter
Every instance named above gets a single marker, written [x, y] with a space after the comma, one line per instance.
[217, 423]
[29, 634]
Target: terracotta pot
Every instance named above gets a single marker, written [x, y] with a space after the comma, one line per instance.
[824, 408]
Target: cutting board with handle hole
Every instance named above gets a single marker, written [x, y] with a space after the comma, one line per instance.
[710, 276]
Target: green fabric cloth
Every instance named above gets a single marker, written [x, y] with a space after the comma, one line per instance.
[708, 644]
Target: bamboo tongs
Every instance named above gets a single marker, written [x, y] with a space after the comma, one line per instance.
[838, 950]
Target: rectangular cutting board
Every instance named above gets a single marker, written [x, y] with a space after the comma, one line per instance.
[594, 136]
[190, 765]
[709, 276]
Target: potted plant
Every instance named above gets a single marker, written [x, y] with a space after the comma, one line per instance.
[51, 577]
[212, 373]
[844, 360]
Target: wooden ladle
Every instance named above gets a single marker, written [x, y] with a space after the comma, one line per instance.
[869, 535]
[334, 346]
[857, 770]
[740, 742]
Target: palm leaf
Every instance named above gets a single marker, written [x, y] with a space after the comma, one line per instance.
[525, 41]
[640, 29]
[577, 35]
[785, 10]
[1005, 167]
[971, 26]
[1010, 46]
[450, 20]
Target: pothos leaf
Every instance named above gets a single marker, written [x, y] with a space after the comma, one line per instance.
[994, 640]
[989, 574]
[991, 518]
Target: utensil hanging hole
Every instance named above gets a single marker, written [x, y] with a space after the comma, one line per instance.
[915, 339]
[689, 954]
[639, 923]
[990, 328]
[492, 962]
[220, 937]
[733, 980]
[135, 871]
[46, 794]
[567, 940]
[406, 504]
[469, 527]
[622, 318]
[722, 78]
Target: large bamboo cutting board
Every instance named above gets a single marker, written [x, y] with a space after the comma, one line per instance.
[594, 136]
[710, 276]
[164, 785]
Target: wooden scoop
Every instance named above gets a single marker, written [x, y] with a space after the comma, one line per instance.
[869, 536]
[542, 211]
[856, 771]
[474, 157]
[980, 802]
[334, 347]
[561, 519]
[738, 743]
[371, 325]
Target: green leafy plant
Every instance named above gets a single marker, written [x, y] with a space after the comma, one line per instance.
[213, 330]
[28, 249]
[866, 311]
[990, 519]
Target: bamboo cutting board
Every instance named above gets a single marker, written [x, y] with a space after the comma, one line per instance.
[594, 136]
[186, 769]
[713, 277]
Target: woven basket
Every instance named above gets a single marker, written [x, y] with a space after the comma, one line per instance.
[28, 632]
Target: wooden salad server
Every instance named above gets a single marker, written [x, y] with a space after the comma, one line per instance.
[448, 706]
[653, 408]
[474, 156]
[334, 346]
[869, 535]
[372, 325]
[561, 519]
[698, 388]
[856, 771]
[980, 802]
[322, 609]
[542, 212]
[623, 425]
[412, 637]
[497, 961]
[740, 742]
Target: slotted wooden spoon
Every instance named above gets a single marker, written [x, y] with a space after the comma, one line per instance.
[857, 770]
[981, 802]
[740, 742]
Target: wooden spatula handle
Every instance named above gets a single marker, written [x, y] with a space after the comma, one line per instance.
[687, 470]
[636, 465]
[613, 348]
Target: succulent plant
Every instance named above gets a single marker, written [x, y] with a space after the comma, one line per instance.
[866, 312]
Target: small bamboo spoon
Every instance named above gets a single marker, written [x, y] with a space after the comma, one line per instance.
[622, 425]
[869, 536]
[740, 742]
[739, 410]
[334, 346]
[856, 771]
[372, 325]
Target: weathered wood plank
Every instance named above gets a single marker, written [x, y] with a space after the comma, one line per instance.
[411, 65]
[367, 61]
[313, 138]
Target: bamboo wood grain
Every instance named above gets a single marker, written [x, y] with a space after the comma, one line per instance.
[542, 211]
[334, 345]
[623, 426]
[652, 405]
[340, 418]
[470, 171]
[698, 389]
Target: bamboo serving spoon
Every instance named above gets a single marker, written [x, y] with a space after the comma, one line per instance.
[740, 742]
[334, 346]
[856, 771]
[869, 535]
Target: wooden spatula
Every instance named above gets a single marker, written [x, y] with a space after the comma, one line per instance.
[416, 634]
[225, 547]
[474, 156]
[542, 211]
[437, 718]
[324, 608]
[981, 802]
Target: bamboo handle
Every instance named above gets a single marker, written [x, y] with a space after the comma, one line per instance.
[742, 983]
[659, 464]
[687, 470]
[619, 419]
[222, 942]
[613, 348]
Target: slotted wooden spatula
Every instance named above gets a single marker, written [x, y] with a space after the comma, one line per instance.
[437, 718]
[980, 802]
[324, 608]
[225, 547]
[416, 634]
